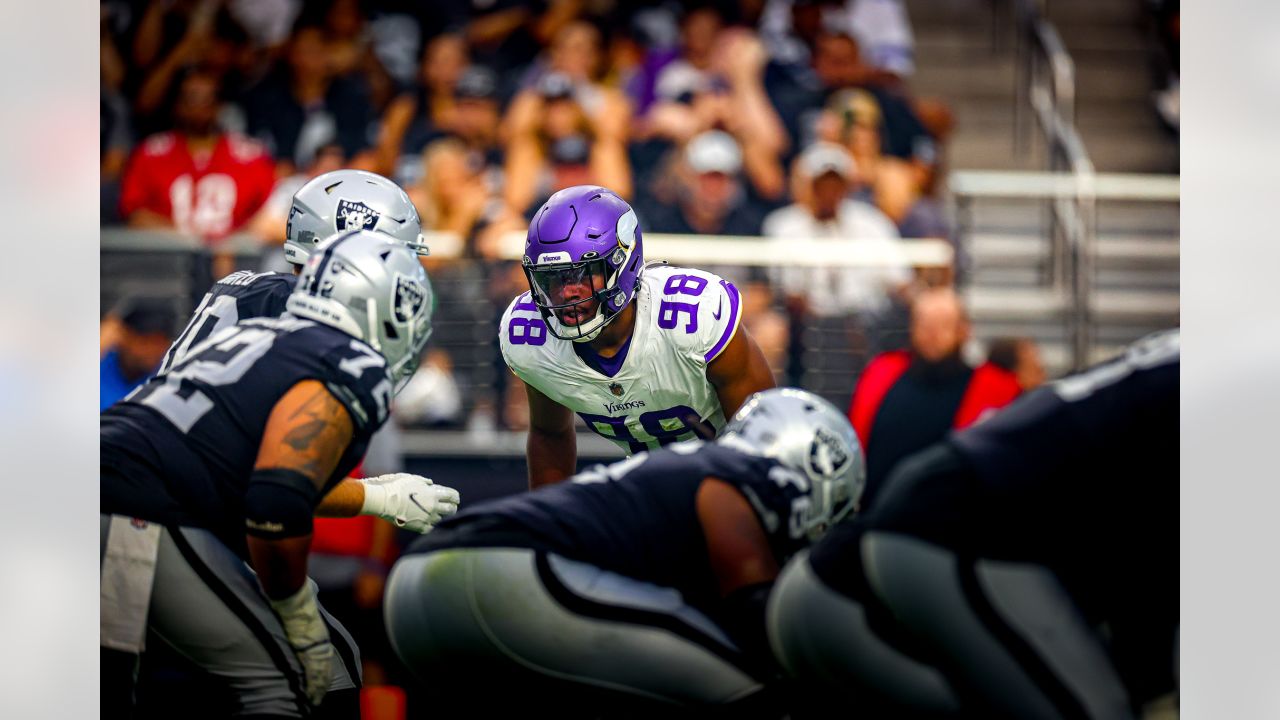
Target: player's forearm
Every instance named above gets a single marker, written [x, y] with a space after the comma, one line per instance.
[345, 500]
[281, 564]
[552, 456]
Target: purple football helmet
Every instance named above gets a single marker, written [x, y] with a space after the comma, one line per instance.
[583, 258]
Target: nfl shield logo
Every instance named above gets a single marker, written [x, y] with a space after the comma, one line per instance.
[409, 299]
[354, 215]
[616, 389]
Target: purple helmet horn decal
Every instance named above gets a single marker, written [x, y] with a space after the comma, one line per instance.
[583, 258]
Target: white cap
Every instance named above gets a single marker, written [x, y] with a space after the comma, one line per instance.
[714, 151]
[824, 157]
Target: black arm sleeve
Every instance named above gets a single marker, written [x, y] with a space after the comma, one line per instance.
[744, 619]
[279, 504]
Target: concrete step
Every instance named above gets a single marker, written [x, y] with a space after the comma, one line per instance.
[986, 78]
[1113, 251]
[925, 14]
[1036, 305]
[1094, 13]
[994, 216]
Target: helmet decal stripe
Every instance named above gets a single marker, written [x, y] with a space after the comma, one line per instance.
[328, 254]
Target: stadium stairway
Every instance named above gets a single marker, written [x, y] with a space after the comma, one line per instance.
[965, 56]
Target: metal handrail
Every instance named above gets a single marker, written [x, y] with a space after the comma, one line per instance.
[1046, 85]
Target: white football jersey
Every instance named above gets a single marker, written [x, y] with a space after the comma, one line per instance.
[684, 319]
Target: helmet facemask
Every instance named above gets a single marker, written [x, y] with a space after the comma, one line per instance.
[578, 299]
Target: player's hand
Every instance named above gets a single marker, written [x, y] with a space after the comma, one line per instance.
[408, 501]
[309, 638]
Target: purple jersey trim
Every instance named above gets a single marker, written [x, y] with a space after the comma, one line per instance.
[607, 366]
[732, 292]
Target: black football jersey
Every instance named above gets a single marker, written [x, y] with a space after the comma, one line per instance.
[181, 448]
[1082, 475]
[242, 295]
[637, 517]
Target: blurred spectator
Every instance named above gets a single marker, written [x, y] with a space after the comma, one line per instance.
[349, 45]
[212, 40]
[114, 133]
[824, 178]
[136, 335]
[196, 178]
[906, 400]
[506, 34]
[709, 197]
[268, 21]
[880, 26]
[451, 196]
[432, 397]
[567, 129]
[476, 118]
[800, 91]
[854, 118]
[302, 107]
[716, 81]
[428, 111]
[1020, 356]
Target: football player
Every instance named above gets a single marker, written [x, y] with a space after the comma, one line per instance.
[978, 582]
[211, 473]
[334, 202]
[645, 356]
[331, 203]
[646, 578]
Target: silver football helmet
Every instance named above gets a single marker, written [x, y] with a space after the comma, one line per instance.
[350, 200]
[373, 288]
[810, 436]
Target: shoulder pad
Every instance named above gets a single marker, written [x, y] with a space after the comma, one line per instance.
[241, 278]
[521, 325]
[700, 310]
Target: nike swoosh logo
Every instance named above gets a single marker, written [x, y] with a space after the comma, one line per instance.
[413, 498]
[719, 308]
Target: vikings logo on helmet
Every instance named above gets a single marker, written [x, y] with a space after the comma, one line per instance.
[409, 299]
[355, 215]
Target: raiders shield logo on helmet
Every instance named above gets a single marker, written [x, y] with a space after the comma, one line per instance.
[355, 215]
[827, 456]
[409, 299]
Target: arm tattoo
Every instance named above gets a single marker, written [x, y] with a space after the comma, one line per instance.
[318, 433]
[301, 437]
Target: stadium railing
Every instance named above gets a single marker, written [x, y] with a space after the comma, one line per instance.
[1045, 90]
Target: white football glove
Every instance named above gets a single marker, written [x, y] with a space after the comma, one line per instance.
[408, 501]
[309, 638]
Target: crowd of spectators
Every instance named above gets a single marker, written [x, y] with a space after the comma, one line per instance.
[697, 112]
